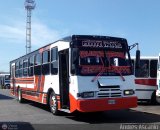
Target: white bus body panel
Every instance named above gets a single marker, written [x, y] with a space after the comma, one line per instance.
[80, 84]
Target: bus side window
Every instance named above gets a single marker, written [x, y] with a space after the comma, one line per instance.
[25, 67]
[54, 61]
[46, 63]
[143, 70]
[20, 68]
[153, 68]
[17, 69]
[31, 66]
[37, 64]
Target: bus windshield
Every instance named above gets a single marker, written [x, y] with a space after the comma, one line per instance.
[7, 77]
[95, 60]
[111, 63]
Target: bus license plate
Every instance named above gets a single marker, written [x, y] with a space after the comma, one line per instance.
[111, 101]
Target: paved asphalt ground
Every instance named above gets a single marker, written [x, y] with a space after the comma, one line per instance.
[33, 115]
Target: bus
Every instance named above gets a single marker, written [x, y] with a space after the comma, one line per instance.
[145, 78]
[5, 80]
[82, 73]
[158, 81]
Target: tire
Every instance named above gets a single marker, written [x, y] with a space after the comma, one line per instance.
[53, 104]
[153, 98]
[20, 99]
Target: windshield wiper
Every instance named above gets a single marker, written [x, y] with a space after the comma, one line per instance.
[122, 77]
[100, 73]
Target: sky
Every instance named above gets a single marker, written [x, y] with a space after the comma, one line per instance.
[136, 20]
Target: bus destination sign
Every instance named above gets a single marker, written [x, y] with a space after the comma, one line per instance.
[102, 44]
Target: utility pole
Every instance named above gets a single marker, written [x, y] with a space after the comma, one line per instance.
[29, 6]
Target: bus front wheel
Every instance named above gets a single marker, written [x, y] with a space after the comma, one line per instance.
[53, 104]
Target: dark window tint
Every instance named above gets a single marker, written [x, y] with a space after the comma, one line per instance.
[38, 59]
[37, 70]
[30, 71]
[46, 69]
[54, 67]
[46, 56]
[54, 54]
[143, 71]
[25, 67]
[21, 64]
[54, 62]
[17, 73]
[25, 63]
[46, 63]
[153, 68]
[31, 68]
[31, 61]
[20, 72]
[17, 65]
[91, 60]
[25, 71]
[38, 66]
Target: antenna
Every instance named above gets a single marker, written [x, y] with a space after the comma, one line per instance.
[29, 6]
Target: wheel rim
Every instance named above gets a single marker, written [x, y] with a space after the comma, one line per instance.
[53, 103]
[19, 95]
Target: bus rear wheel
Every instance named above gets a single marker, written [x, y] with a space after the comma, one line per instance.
[53, 104]
[20, 99]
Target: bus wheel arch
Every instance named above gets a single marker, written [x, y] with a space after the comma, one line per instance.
[52, 102]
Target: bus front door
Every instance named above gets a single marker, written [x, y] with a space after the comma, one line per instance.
[64, 78]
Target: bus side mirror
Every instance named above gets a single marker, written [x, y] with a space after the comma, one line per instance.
[137, 59]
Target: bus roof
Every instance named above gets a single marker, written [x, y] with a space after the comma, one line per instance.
[71, 38]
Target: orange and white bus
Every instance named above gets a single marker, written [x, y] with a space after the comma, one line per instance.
[78, 73]
[146, 78]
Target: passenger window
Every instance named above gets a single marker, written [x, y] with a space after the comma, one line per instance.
[46, 63]
[46, 56]
[38, 67]
[54, 61]
[31, 66]
[143, 71]
[38, 59]
[25, 67]
[17, 69]
[21, 68]
[153, 68]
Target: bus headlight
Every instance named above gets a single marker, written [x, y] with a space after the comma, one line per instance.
[129, 92]
[86, 94]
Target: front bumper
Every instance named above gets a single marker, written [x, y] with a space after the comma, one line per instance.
[93, 105]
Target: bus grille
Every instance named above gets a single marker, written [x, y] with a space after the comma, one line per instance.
[109, 91]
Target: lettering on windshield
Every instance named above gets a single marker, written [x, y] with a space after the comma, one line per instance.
[115, 54]
[91, 53]
[111, 69]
